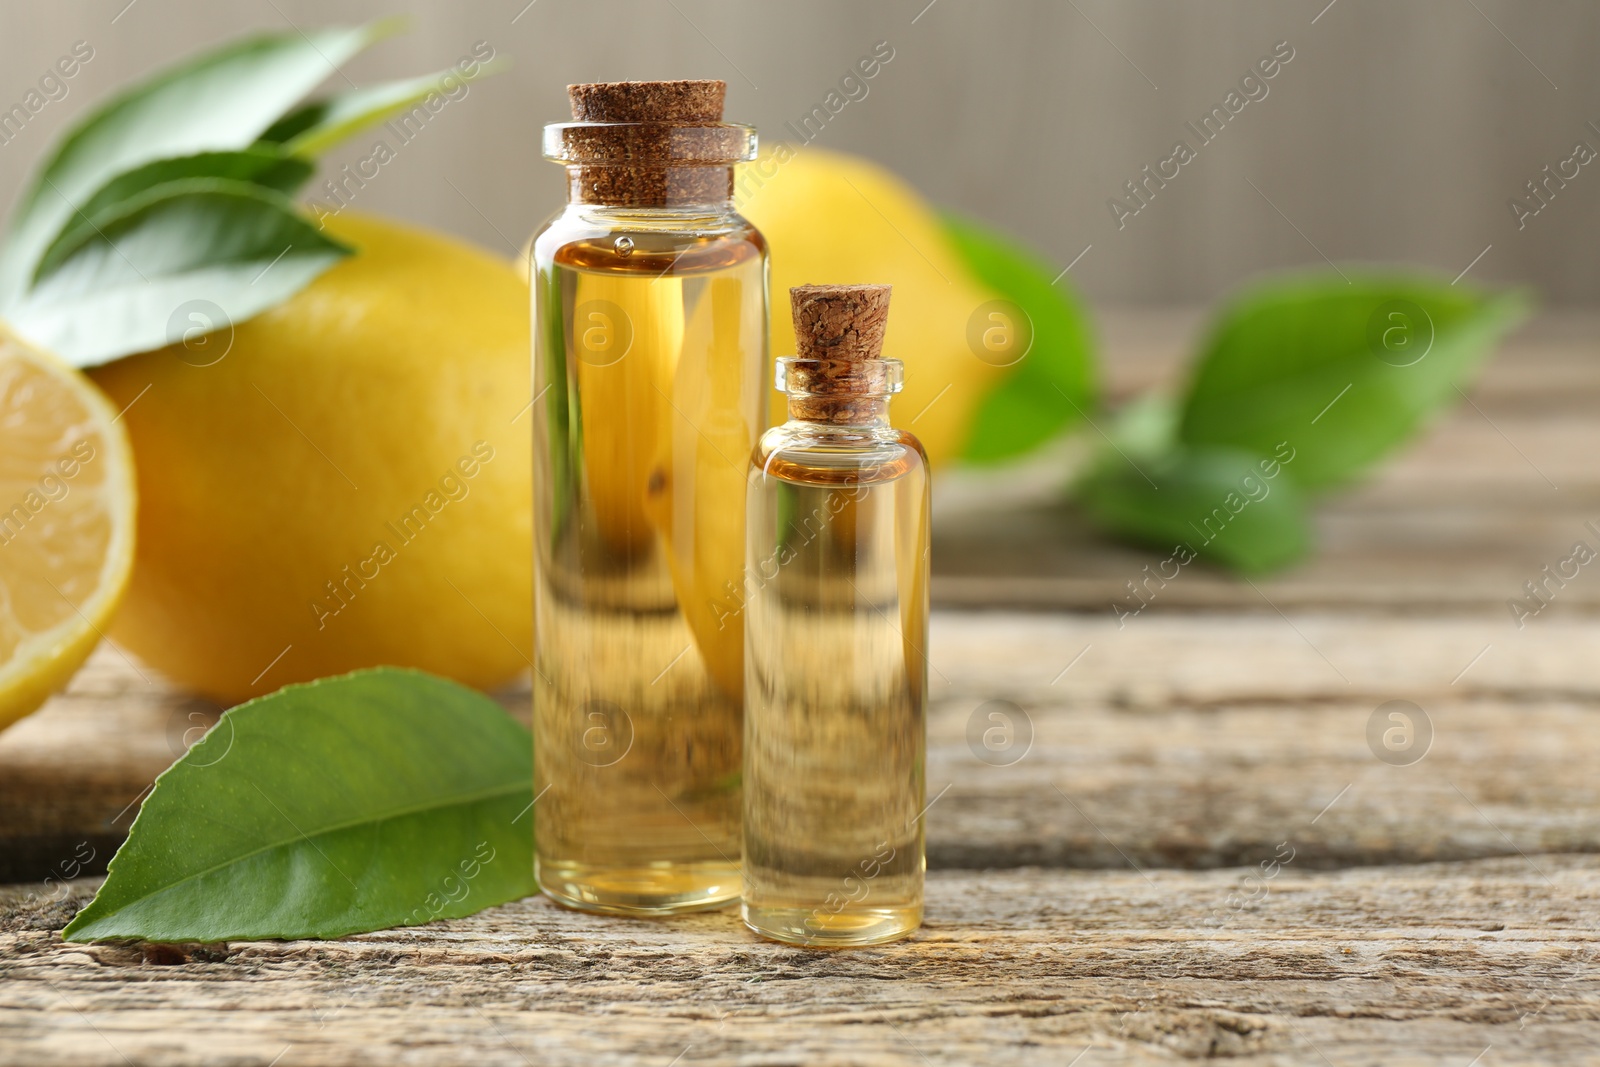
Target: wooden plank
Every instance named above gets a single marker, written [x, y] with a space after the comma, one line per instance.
[1189, 741]
[1409, 965]
[1204, 740]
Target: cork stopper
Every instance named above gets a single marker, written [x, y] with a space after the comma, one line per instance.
[838, 374]
[839, 322]
[649, 144]
[679, 102]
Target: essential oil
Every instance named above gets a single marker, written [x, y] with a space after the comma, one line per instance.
[650, 329]
[836, 589]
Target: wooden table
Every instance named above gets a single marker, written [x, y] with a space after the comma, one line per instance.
[1101, 899]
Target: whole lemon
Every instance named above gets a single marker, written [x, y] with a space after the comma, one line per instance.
[341, 481]
[831, 218]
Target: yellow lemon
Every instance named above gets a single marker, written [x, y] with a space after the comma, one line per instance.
[341, 481]
[67, 524]
[622, 403]
[831, 218]
[702, 525]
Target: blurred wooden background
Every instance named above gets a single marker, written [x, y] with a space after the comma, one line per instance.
[1398, 131]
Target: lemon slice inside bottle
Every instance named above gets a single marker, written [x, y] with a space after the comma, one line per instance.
[66, 523]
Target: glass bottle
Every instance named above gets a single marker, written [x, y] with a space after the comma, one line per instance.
[650, 338]
[836, 588]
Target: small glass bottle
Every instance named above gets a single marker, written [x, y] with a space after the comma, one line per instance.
[836, 677]
[650, 342]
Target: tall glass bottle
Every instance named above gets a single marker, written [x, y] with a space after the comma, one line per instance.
[836, 586]
[650, 335]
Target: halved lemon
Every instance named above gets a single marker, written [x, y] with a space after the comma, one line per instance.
[66, 523]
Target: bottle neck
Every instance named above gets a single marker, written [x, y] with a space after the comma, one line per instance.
[843, 412]
[707, 186]
[850, 393]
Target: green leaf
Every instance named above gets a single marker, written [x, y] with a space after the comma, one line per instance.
[1340, 372]
[381, 798]
[266, 166]
[1053, 387]
[316, 127]
[1219, 503]
[216, 102]
[236, 246]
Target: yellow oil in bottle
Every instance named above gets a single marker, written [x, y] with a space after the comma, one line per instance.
[836, 679]
[650, 342]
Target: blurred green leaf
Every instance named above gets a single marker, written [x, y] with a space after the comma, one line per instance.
[218, 101]
[381, 798]
[311, 130]
[231, 244]
[1343, 372]
[1053, 387]
[1226, 505]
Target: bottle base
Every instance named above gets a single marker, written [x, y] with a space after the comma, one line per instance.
[641, 892]
[852, 928]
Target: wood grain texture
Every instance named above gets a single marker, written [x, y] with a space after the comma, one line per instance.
[1429, 964]
[1176, 741]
